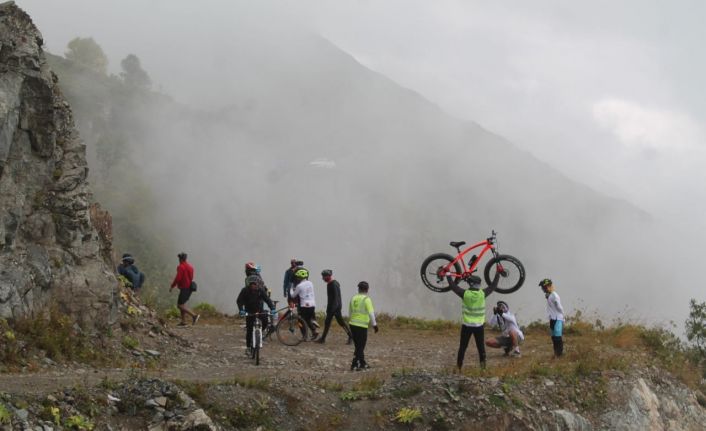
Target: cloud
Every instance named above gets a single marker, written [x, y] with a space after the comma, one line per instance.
[641, 127]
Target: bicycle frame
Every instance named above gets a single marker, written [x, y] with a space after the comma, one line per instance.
[488, 245]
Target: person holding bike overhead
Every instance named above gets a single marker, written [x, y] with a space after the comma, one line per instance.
[473, 310]
[304, 290]
[250, 301]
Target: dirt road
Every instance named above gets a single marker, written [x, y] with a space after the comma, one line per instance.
[217, 353]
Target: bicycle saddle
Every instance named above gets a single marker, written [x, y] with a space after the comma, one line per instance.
[457, 244]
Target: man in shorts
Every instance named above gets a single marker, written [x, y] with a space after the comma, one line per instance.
[183, 279]
[511, 336]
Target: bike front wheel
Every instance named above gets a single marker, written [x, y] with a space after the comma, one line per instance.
[291, 330]
[512, 273]
[436, 268]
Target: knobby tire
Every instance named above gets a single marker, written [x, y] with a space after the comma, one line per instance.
[513, 275]
[430, 269]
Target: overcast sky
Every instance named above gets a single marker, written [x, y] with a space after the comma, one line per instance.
[610, 93]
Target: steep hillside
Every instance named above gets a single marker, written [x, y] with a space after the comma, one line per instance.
[320, 158]
[55, 240]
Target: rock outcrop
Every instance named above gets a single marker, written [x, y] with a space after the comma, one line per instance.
[51, 253]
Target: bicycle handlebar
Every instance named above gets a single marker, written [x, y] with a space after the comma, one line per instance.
[493, 237]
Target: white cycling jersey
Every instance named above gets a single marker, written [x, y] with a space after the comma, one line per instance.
[305, 292]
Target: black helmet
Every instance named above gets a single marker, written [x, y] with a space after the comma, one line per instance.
[253, 279]
[363, 285]
[181, 256]
[326, 273]
[544, 283]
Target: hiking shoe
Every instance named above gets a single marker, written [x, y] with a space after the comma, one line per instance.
[516, 353]
[314, 336]
[195, 319]
[321, 340]
[364, 367]
[181, 324]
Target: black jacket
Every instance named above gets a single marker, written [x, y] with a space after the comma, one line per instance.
[333, 293]
[251, 300]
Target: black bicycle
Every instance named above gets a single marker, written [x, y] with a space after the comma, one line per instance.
[290, 328]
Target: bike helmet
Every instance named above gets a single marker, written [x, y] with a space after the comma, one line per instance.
[250, 265]
[503, 304]
[544, 283]
[181, 256]
[326, 273]
[301, 273]
[364, 286]
[253, 279]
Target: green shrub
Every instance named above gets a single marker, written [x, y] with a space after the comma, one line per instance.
[407, 415]
[130, 342]
[5, 415]
[172, 313]
[78, 422]
[207, 310]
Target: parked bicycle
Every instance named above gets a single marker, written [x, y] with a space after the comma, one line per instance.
[438, 266]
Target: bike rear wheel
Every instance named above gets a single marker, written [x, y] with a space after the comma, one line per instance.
[512, 273]
[291, 330]
[435, 269]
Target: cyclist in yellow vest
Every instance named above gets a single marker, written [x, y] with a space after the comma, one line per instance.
[361, 314]
[473, 317]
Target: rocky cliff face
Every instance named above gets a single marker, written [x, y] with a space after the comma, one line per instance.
[51, 251]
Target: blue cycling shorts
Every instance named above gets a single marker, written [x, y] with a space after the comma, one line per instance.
[557, 327]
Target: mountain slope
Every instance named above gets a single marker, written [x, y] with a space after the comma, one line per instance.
[236, 183]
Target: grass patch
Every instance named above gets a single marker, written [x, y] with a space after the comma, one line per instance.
[53, 333]
[130, 342]
[331, 386]
[252, 383]
[404, 322]
[207, 310]
[367, 388]
[407, 391]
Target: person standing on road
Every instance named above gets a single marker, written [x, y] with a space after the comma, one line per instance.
[287, 285]
[511, 336]
[304, 290]
[473, 317]
[250, 301]
[555, 312]
[333, 306]
[362, 314]
[183, 279]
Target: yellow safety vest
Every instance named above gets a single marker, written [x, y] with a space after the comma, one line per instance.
[474, 307]
[359, 309]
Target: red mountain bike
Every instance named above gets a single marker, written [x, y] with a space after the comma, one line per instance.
[438, 266]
